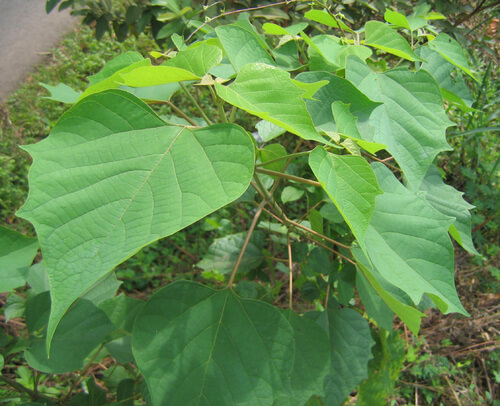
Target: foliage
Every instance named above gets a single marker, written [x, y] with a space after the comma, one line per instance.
[114, 176]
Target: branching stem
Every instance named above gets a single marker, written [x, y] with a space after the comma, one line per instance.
[287, 176]
[196, 104]
[283, 157]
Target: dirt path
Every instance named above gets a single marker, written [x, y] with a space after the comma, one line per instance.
[26, 33]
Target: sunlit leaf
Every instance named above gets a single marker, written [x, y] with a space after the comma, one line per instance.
[382, 36]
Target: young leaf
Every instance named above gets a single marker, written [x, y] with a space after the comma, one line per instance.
[450, 202]
[143, 76]
[269, 93]
[382, 36]
[350, 183]
[408, 243]
[411, 122]
[61, 93]
[16, 255]
[393, 17]
[197, 59]
[112, 177]
[212, 347]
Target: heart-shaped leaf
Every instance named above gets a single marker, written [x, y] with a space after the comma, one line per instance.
[113, 177]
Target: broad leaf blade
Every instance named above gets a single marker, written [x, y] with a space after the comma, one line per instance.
[16, 255]
[212, 347]
[270, 94]
[450, 202]
[411, 122]
[197, 59]
[112, 177]
[382, 36]
[350, 183]
[154, 75]
[408, 243]
[61, 93]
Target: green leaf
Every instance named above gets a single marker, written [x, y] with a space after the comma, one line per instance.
[271, 152]
[269, 93]
[242, 46]
[450, 202]
[223, 253]
[197, 59]
[382, 36]
[117, 64]
[350, 346]
[112, 177]
[2, 363]
[393, 17]
[267, 131]
[384, 370]
[143, 76]
[38, 278]
[16, 255]
[212, 347]
[81, 330]
[14, 307]
[61, 93]
[275, 29]
[411, 122]
[312, 358]
[323, 17]
[104, 289]
[338, 89]
[408, 243]
[408, 314]
[350, 183]
[153, 93]
[291, 194]
[451, 50]
[122, 311]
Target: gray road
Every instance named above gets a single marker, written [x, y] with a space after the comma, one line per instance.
[26, 33]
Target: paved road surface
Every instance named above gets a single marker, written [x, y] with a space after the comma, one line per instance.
[26, 32]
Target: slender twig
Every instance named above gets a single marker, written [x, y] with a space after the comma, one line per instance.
[283, 157]
[23, 389]
[383, 161]
[452, 390]
[290, 274]
[245, 243]
[236, 12]
[181, 113]
[193, 100]
[219, 103]
[304, 216]
[324, 237]
[287, 176]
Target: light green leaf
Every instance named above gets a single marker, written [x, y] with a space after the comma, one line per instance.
[212, 347]
[450, 202]
[103, 290]
[411, 122]
[408, 243]
[2, 363]
[112, 177]
[291, 194]
[153, 93]
[116, 64]
[271, 152]
[197, 59]
[323, 17]
[267, 131]
[38, 278]
[451, 50]
[269, 93]
[275, 29]
[154, 75]
[312, 358]
[393, 17]
[347, 126]
[223, 253]
[122, 311]
[16, 255]
[382, 36]
[408, 314]
[350, 346]
[242, 46]
[61, 93]
[81, 330]
[350, 183]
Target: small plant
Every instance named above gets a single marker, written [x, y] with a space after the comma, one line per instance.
[364, 113]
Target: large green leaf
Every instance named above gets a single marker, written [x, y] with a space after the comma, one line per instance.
[143, 76]
[408, 243]
[242, 46]
[16, 255]
[411, 122]
[198, 59]
[451, 50]
[350, 183]
[198, 346]
[223, 253]
[112, 177]
[450, 202]
[81, 330]
[350, 346]
[382, 36]
[270, 94]
[116, 64]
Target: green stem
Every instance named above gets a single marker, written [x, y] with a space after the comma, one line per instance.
[23, 389]
[219, 103]
[193, 100]
[181, 113]
[232, 115]
[287, 176]
[283, 157]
